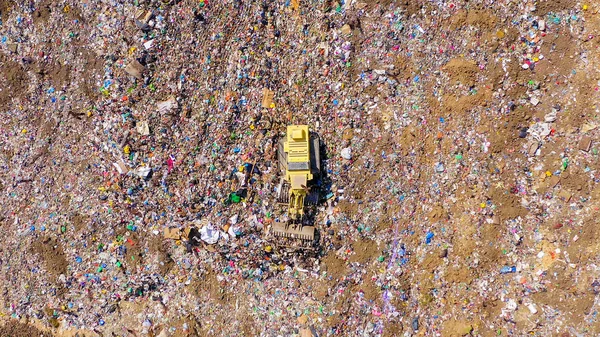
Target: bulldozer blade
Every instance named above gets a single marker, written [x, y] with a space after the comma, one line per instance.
[282, 230]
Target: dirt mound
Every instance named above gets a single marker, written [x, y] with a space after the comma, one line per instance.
[13, 80]
[42, 13]
[51, 252]
[508, 204]
[93, 67]
[5, 7]
[59, 74]
[462, 70]
[410, 6]
[157, 246]
[334, 266]
[16, 329]
[477, 18]
[366, 251]
[544, 7]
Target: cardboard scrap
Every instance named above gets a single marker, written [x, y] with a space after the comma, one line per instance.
[143, 16]
[588, 127]
[306, 333]
[302, 319]
[295, 4]
[168, 105]
[535, 101]
[186, 232]
[135, 69]
[13, 47]
[267, 98]
[346, 30]
[532, 148]
[172, 233]
[361, 5]
[142, 128]
[553, 181]
[121, 167]
[585, 143]
[564, 195]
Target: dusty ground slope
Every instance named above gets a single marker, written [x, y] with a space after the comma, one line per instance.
[504, 206]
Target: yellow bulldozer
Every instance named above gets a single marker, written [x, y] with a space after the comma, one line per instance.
[300, 166]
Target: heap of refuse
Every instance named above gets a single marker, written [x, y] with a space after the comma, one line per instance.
[139, 167]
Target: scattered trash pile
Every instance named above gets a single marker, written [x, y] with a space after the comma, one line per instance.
[458, 155]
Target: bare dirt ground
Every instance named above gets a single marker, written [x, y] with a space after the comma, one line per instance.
[501, 207]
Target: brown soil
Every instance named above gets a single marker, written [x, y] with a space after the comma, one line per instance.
[365, 251]
[134, 256]
[507, 128]
[454, 104]
[5, 7]
[79, 222]
[411, 7]
[481, 19]
[456, 328]
[478, 18]
[208, 283]
[13, 78]
[460, 274]
[51, 252]
[348, 207]
[334, 267]
[438, 213]
[59, 74]
[403, 67]
[462, 70]
[157, 246]
[14, 328]
[573, 304]
[74, 13]
[508, 204]
[42, 13]
[559, 53]
[93, 66]
[393, 329]
[544, 7]
[194, 327]
[370, 289]
[431, 262]
[373, 4]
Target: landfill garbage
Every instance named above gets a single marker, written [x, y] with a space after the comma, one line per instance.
[209, 235]
[346, 153]
[140, 171]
